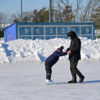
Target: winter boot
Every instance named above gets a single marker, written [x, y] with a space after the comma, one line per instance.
[73, 80]
[81, 79]
[49, 82]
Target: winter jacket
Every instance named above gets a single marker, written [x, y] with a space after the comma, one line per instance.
[53, 58]
[75, 46]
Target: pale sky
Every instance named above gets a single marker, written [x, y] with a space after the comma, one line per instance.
[12, 6]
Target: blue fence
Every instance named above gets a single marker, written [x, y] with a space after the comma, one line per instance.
[54, 30]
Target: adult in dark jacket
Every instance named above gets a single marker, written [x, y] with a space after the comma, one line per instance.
[51, 60]
[74, 57]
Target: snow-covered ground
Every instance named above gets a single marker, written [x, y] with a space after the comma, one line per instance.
[22, 71]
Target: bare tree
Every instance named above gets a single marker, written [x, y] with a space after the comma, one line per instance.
[58, 12]
[27, 16]
[89, 9]
[3, 19]
[84, 11]
[16, 17]
[77, 9]
[65, 13]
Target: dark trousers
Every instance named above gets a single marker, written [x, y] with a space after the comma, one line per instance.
[48, 71]
[74, 70]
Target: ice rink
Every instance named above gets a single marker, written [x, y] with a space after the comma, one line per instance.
[26, 81]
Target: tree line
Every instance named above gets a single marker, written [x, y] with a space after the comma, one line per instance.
[62, 11]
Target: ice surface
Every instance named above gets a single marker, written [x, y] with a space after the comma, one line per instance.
[26, 81]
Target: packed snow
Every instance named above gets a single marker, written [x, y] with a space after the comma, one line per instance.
[22, 71]
[38, 50]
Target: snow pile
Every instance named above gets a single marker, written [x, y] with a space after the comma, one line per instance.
[38, 50]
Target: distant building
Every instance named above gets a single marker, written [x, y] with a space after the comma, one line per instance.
[97, 33]
[48, 30]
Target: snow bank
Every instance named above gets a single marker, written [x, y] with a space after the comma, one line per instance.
[38, 50]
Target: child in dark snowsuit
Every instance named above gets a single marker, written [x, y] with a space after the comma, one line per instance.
[50, 61]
